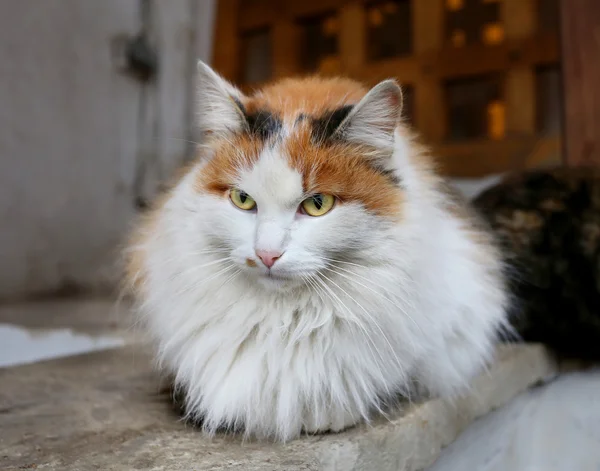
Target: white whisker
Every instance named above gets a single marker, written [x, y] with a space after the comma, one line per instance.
[197, 284]
[196, 268]
[345, 262]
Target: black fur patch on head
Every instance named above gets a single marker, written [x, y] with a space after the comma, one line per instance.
[324, 126]
[261, 123]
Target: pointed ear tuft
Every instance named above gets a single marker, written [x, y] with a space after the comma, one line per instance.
[375, 118]
[219, 109]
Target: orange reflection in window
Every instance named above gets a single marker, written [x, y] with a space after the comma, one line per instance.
[375, 17]
[455, 5]
[496, 120]
[493, 33]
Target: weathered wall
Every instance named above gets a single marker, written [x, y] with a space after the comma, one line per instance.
[75, 131]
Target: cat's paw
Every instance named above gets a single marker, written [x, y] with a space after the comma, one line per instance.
[333, 421]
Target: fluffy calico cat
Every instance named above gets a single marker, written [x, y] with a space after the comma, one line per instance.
[310, 266]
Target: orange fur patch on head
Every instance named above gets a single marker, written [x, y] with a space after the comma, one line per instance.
[336, 168]
[312, 96]
[343, 170]
[221, 171]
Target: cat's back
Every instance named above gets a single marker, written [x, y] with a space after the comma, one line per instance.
[548, 222]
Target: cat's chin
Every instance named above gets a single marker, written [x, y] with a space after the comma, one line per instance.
[277, 282]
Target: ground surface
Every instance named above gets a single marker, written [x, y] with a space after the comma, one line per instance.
[105, 410]
[551, 428]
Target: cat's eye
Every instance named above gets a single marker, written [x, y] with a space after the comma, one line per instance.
[318, 205]
[242, 200]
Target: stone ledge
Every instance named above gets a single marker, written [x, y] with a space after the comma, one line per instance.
[105, 411]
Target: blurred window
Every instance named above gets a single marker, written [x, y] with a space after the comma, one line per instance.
[257, 58]
[549, 100]
[476, 108]
[548, 16]
[319, 41]
[389, 29]
[473, 21]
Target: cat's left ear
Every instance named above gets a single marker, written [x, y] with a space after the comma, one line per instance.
[374, 119]
[218, 104]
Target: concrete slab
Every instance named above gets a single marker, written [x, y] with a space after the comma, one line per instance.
[19, 346]
[52, 328]
[92, 316]
[555, 427]
[106, 411]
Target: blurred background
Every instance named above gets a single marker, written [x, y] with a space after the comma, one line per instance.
[481, 77]
[96, 102]
[97, 111]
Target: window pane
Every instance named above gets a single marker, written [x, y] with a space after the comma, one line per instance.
[548, 16]
[389, 29]
[475, 108]
[320, 40]
[472, 21]
[257, 56]
[549, 100]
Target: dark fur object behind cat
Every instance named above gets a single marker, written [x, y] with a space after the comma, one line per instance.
[548, 222]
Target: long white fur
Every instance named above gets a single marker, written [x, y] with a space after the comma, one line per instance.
[360, 308]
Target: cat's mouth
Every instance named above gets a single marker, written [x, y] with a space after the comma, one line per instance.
[278, 276]
[276, 280]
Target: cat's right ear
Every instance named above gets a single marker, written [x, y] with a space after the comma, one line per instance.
[219, 109]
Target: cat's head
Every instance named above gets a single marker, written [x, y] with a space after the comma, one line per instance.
[297, 175]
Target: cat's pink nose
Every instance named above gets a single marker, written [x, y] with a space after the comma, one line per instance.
[268, 257]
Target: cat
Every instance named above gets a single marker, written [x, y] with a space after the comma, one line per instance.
[548, 224]
[310, 266]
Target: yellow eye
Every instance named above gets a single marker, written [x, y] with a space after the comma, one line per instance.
[318, 204]
[242, 200]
